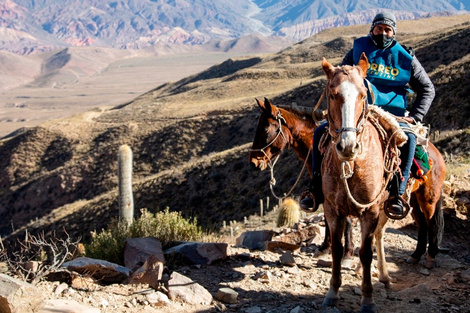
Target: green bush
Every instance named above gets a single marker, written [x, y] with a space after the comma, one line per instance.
[166, 226]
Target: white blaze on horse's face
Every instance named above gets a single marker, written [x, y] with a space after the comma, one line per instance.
[347, 147]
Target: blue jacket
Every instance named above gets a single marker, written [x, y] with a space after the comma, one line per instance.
[391, 71]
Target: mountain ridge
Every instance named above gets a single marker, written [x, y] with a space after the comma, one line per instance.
[39, 26]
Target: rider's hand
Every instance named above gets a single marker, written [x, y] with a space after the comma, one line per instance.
[408, 119]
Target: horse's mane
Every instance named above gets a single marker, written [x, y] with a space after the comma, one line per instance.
[302, 112]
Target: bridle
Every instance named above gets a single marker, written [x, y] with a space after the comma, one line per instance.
[279, 119]
[271, 162]
[360, 124]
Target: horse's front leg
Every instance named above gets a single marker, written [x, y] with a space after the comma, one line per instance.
[381, 263]
[336, 225]
[369, 221]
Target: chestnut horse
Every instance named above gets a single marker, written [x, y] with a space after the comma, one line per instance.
[279, 128]
[354, 177]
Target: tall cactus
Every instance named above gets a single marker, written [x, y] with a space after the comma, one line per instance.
[126, 199]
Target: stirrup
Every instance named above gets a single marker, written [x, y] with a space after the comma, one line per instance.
[406, 209]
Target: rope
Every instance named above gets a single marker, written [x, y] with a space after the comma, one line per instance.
[390, 166]
[317, 123]
[345, 177]
[272, 182]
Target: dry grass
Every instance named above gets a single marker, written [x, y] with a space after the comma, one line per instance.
[190, 141]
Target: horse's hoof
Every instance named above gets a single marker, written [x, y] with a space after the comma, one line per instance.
[430, 263]
[346, 263]
[369, 308]
[387, 284]
[319, 253]
[330, 302]
[412, 260]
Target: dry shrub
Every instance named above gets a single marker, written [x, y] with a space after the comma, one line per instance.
[166, 226]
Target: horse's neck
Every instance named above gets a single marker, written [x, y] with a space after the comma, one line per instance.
[301, 133]
[371, 155]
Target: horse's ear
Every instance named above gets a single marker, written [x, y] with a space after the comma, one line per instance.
[261, 105]
[270, 107]
[328, 69]
[363, 64]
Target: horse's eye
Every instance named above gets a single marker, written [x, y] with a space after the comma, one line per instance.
[332, 97]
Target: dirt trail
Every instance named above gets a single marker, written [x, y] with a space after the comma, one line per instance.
[265, 285]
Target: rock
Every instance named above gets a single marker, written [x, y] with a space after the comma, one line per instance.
[287, 259]
[447, 187]
[425, 272]
[31, 266]
[66, 306]
[301, 235]
[254, 240]
[200, 252]
[157, 299]
[465, 276]
[182, 288]
[103, 271]
[310, 284]
[150, 273]
[227, 295]
[61, 288]
[275, 246]
[17, 296]
[254, 309]
[263, 277]
[297, 309]
[138, 250]
[323, 263]
[84, 283]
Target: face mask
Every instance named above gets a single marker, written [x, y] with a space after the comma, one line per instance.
[381, 41]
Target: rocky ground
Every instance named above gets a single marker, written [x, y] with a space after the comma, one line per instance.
[264, 284]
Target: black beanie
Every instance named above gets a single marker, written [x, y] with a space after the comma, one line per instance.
[386, 18]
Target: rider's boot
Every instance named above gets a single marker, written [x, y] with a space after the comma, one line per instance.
[395, 207]
[312, 198]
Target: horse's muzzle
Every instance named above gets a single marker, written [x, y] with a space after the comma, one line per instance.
[258, 164]
[347, 148]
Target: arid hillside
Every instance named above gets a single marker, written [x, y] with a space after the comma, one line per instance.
[190, 139]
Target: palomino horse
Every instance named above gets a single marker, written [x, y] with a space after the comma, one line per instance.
[355, 174]
[279, 128]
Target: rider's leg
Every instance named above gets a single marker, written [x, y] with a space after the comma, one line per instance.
[315, 195]
[407, 151]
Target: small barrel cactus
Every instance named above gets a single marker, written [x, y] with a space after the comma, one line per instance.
[289, 213]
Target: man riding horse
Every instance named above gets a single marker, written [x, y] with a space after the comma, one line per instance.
[392, 69]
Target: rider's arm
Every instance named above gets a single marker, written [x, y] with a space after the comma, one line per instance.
[348, 58]
[424, 89]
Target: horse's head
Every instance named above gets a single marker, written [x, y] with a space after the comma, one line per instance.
[347, 100]
[271, 136]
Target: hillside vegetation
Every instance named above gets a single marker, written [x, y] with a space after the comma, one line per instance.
[191, 138]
